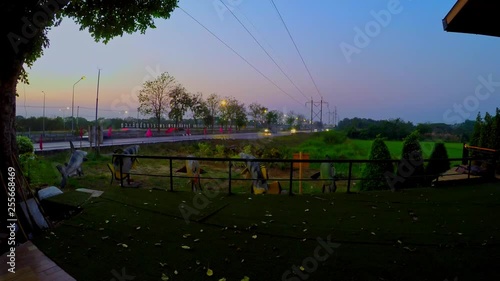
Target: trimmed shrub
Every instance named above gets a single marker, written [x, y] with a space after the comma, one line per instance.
[411, 168]
[438, 163]
[24, 145]
[374, 173]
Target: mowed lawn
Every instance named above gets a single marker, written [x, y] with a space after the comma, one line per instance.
[360, 149]
[419, 234]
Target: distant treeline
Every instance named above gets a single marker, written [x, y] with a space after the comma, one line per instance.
[397, 129]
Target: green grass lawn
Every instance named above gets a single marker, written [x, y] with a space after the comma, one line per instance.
[419, 234]
[42, 171]
[360, 149]
[149, 233]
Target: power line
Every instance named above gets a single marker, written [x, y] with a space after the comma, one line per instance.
[296, 48]
[262, 47]
[245, 60]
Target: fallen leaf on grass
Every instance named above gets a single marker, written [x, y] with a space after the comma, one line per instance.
[164, 277]
[210, 272]
[409, 249]
[185, 247]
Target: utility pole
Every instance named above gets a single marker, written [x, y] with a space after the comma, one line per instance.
[43, 118]
[77, 113]
[321, 112]
[311, 120]
[334, 115]
[316, 114]
[96, 110]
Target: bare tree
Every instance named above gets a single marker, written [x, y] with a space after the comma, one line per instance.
[290, 119]
[154, 96]
[231, 109]
[272, 117]
[180, 102]
[199, 108]
[240, 116]
[257, 112]
[213, 105]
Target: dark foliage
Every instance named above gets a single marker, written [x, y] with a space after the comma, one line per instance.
[374, 173]
[438, 163]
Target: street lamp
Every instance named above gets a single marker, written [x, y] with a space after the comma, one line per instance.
[73, 102]
[43, 118]
[63, 110]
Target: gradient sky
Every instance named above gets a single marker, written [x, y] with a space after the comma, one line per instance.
[409, 69]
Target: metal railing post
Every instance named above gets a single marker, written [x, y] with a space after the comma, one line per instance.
[229, 185]
[349, 177]
[291, 178]
[468, 169]
[171, 178]
[120, 160]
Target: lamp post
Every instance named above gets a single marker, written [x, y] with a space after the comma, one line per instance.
[43, 118]
[73, 103]
[223, 104]
[63, 110]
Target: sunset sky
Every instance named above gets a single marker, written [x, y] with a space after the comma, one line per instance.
[408, 68]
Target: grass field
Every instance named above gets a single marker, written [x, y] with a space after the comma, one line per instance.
[360, 149]
[43, 170]
[419, 234]
[151, 234]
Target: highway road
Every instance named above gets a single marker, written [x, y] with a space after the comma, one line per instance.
[51, 146]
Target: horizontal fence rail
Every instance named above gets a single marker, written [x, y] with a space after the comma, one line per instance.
[349, 177]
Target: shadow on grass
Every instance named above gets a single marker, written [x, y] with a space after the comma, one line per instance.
[420, 234]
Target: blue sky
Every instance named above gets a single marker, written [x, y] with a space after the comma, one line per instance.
[408, 68]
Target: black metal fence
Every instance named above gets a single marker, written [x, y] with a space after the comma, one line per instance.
[347, 177]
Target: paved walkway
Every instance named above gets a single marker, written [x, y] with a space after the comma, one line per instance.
[32, 265]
